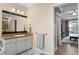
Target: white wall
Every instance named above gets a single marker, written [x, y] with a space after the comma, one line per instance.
[41, 16]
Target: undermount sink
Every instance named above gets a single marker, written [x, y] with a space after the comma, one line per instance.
[19, 35]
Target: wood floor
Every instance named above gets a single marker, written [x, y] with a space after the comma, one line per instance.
[67, 49]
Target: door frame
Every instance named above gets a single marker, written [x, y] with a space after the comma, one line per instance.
[55, 6]
[61, 4]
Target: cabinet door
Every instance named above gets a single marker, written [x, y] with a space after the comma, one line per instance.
[20, 44]
[28, 42]
[10, 48]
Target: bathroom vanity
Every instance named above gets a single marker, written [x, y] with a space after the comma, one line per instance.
[15, 33]
[17, 43]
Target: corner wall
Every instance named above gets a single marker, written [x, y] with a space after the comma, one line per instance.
[42, 20]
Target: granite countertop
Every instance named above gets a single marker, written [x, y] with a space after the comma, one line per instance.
[12, 36]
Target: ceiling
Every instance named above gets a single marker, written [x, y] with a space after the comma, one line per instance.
[26, 4]
[68, 9]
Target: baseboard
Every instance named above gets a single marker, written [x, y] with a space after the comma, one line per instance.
[23, 51]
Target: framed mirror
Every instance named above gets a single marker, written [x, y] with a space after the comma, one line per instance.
[12, 22]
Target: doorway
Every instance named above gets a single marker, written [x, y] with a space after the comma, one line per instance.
[66, 29]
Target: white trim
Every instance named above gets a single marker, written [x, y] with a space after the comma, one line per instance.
[78, 27]
[59, 4]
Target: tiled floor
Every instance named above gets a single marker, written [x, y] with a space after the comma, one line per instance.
[35, 52]
[67, 49]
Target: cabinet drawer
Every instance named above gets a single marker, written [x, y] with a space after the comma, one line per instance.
[10, 41]
[30, 37]
[22, 38]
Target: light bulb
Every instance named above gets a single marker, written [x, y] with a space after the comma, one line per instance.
[13, 9]
[18, 11]
[74, 13]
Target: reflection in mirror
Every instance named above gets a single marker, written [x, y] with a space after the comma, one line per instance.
[13, 23]
[8, 23]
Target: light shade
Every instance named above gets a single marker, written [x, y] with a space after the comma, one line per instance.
[18, 11]
[13, 9]
[74, 13]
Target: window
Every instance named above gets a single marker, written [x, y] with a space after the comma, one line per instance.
[73, 27]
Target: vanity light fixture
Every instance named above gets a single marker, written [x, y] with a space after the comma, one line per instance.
[13, 9]
[74, 13]
[18, 11]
